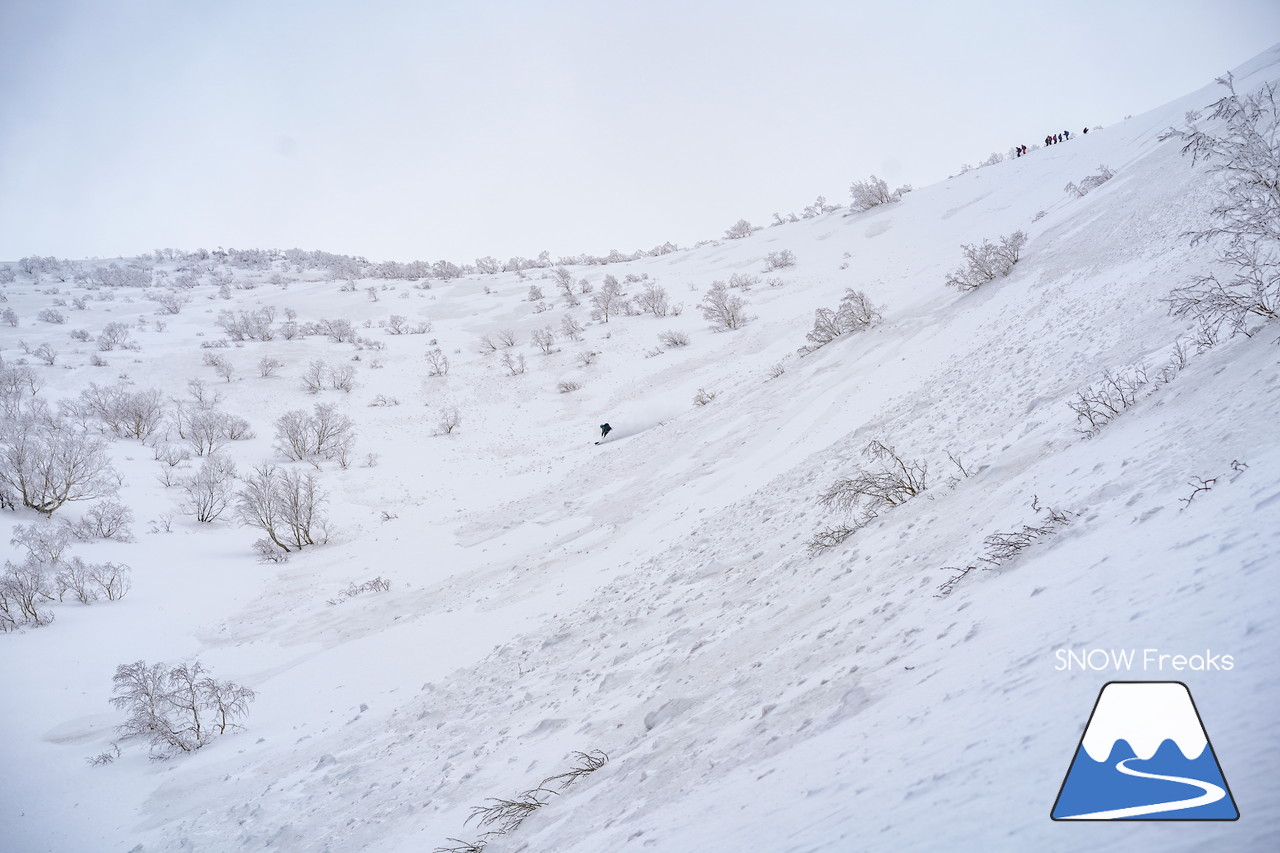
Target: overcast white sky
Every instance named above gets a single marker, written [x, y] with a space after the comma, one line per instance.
[438, 129]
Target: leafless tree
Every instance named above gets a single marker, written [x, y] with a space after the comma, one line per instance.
[987, 262]
[437, 362]
[286, 505]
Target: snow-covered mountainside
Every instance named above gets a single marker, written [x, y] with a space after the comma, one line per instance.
[656, 597]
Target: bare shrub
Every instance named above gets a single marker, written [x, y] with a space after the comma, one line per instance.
[1097, 404]
[545, 340]
[48, 469]
[653, 299]
[437, 363]
[1243, 152]
[514, 365]
[587, 358]
[170, 303]
[568, 386]
[286, 505]
[378, 584]
[48, 315]
[211, 490]
[870, 491]
[507, 338]
[115, 336]
[703, 397]
[314, 376]
[108, 519]
[24, 588]
[672, 338]
[1000, 548]
[45, 542]
[854, 314]
[448, 420]
[46, 353]
[571, 328]
[342, 377]
[325, 433]
[267, 366]
[986, 262]
[178, 709]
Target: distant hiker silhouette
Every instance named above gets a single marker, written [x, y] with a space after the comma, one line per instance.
[605, 429]
[1066, 134]
[1086, 130]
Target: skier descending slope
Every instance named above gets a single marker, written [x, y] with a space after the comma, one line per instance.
[605, 429]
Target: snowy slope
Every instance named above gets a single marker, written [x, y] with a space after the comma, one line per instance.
[654, 597]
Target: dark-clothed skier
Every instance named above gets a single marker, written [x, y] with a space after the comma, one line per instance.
[605, 429]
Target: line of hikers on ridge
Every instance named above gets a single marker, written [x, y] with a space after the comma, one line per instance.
[1051, 139]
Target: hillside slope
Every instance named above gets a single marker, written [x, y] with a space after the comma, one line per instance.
[655, 597]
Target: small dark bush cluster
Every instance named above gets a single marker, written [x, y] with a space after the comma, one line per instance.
[506, 815]
[870, 491]
[378, 584]
[1000, 548]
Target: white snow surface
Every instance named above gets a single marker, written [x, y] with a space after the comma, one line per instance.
[654, 597]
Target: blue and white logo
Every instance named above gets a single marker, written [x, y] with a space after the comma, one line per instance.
[1145, 755]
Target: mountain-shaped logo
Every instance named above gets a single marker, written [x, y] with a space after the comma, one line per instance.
[1144, 755]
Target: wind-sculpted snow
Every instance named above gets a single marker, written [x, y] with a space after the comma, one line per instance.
[655, 598]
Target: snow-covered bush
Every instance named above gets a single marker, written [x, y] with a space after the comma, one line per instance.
[854, 314]
[115, 336]
[654, 300]
[986, 262]
[741, 228]
[703, 397]
[1245, 155]
[873, 192]
[9, 316]
[571, 328]
[779, 260]
[673, 338]
[48, 315]
[108, 519]
[46, 468]
[178, 709]
[723, 309]
[209, 430]
[545, 340]
[1089, 182]
[325, 433]
[170, 303]
[608, 301]
[128, 414]
[267, 366]
[24, 588]
[45, 542]
[286, 505]
[568, 386]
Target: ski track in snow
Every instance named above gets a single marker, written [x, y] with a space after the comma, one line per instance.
[655, 599]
